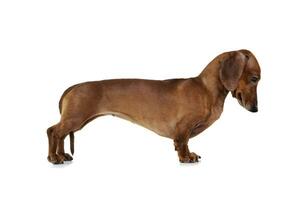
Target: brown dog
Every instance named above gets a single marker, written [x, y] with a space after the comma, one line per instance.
[177, 108]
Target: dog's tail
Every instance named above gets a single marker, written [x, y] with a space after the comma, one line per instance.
[72, 142]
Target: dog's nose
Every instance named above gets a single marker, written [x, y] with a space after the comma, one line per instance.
[254, 109]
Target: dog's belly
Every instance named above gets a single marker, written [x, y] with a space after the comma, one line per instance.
[162, 129]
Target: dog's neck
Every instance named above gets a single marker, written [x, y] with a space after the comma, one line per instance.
[210, 78]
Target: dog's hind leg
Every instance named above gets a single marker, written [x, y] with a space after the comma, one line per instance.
[56, 135]
[61, 151]
[51, 144]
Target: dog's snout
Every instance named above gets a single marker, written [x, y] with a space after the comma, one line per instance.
[254, 109]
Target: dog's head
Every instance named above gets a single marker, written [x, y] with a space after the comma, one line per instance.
[240, 73]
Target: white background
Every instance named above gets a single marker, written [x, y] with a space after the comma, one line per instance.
[47, 46]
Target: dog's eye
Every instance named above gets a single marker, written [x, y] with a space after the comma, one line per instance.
[254, 79]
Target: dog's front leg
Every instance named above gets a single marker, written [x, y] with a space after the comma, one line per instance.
[185, 156]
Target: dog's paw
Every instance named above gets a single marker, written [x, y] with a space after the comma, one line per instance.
[191, 158]
[55, 159]
[67, 157]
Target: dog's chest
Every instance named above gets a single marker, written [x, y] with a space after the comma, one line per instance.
[216, 112]
[202, 124]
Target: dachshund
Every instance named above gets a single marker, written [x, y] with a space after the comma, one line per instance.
[178, 109]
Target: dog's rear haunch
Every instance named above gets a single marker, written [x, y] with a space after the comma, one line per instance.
[178, 109]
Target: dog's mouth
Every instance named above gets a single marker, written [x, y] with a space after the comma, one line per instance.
[238, 96]
[252, 107]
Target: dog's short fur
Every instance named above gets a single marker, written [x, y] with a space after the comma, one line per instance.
[177, 108]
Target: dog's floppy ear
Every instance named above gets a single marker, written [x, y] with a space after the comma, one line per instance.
[232, 67]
